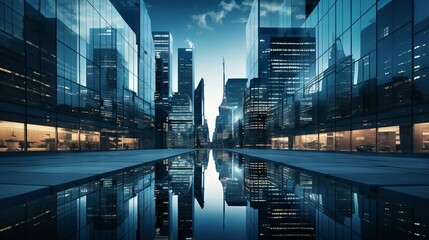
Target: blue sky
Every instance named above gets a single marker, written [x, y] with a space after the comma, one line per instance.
[217, 29]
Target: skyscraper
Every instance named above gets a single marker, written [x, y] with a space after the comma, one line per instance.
[180, 122]
[67, 83]
[185, 78]
[163, 91]
[164, 51]
[199, 111]
[280, 55]
[364, 89]
[200, 122]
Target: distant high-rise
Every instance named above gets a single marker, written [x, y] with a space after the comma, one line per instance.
[234, 92]
[180, 122]
[199, 104]
[164, 51]
[163, 42]
[200, 123]
[280, 55]
[185, 79]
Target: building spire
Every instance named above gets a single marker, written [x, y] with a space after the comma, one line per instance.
[224, 92]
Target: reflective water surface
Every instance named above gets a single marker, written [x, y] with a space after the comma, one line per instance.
[216, 195]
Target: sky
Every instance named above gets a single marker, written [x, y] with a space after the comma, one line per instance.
[217, 30]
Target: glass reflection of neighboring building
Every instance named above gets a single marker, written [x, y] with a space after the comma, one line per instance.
[366, 88]
[68, 83]
[274, 211]
[275, 54]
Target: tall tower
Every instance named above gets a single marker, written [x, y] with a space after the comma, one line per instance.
[164, 53]
[186, 72]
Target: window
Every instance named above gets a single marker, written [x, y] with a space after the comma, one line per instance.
[342, 141]
[11, 136]
[421, 17]
[40, 138]
[364, 140]
[421, 138]
[388, 139]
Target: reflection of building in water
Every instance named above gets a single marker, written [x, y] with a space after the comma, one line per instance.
[121, 206]
[181, 172]
[163, 199]
[231, 177]
[201, 161]
[275, 212]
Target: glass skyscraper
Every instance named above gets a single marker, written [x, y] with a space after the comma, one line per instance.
[180, 122]
[74, 76]
[164, 53]
[186, 72]
[164, 77]
[275, 54]
[366, 88]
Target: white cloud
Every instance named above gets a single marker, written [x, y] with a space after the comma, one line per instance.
[190, 43]
[229, 6]
[240, 20]
[215, 16]
[202, 20]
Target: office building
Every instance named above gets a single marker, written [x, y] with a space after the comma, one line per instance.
[180, 122]
[164, 52]
[366, 89]
[67, 83]
[275, 55]
[230, 113]
[163, 42]
[186, 72]
[202, 138]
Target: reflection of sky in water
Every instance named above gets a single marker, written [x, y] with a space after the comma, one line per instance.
[208, 222]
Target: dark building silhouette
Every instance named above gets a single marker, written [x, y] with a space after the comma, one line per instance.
[185, 77]
[202, 138]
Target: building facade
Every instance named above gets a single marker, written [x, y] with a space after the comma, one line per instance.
[201, 129]
[68, 83]
[185, 77]
[367, 88]
[180, 122]
[164, 77]
[164, 51]
[228, 123]
[275, 56]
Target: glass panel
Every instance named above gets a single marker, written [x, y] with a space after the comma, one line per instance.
[68, 139]
[364, 140]
[11, 136]
[327, 141]
[421, 138]
[342, 141]
[421, 16]
[421, 50]
[280, 143]
[298, 143]
[421, 86]
[89, 140]
[40, 138]
[388, 139]
[310, 142]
